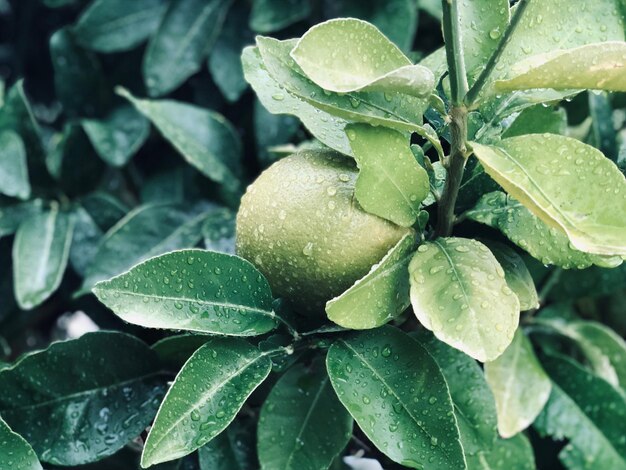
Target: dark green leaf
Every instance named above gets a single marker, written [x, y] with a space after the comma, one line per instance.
[218, 231]
[117, 137]
[85, 241]
[15, 452]
[302, 423]
[397, 394]
[199, 406]
[174, 351]
[184, 37]
[94, 394]
[474, 406]
[118, 25]
[40, 254]
[271, 15]
[604, 135]
[234, 449]
[192, 290]
[13, 167]
[11, 216]
[104, 209]
[591, 282]
[538, 120]
[271, 130]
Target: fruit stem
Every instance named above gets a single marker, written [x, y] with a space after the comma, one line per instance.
[454, 165]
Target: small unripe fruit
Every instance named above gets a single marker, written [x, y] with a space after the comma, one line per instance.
[300, 224]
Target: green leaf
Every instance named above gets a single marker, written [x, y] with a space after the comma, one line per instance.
[40, 254]
[192, 290]
[15, 452]
[304, 410]
[458, 291]
[396, 392]
[277, 100]
[271, 130]
[591, 282]
[94, 394]
[234, 449]
[13, 167]
[515, 452]
[144, 232]
[78, 78]
[117, 137]
[604, 136]
[186, 34]
[538, 119]
[271, 15]
[85, 240]
[381, 295]
[516, 274]
[587, 411]
[391, 184]
[104, 209]
[603, 349]
[547, 244]
[218, 231]
[346, 55]
[11, 216]
[225, 59]
[519, 384]
[593, 66]
[118, 25]
[544, 172]
[474, 406]
[174, 351]
[396, 19]
[204, 138]
[200, 406]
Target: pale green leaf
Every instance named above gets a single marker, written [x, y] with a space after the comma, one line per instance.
[204, 138]
[545, 173]
[199, 406]
[15, 452]
[381, 295]
[13, 168]
[184, 37]
[589, 412]
[547, 244]
[514, 453]
[118, 25]
[600, 66]
[516, 274]
[40, 254]
[304, 408]
[458, 291]
[519, 385]
[396, 393]
[345, 55]
[391, 183]
[193, 290]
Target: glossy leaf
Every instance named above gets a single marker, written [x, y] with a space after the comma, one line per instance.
[199, 406]
[90, 411]
[325, 127]
[15, 452]
[346, 55]
[40, 254]
[233, 449]
[538, 119]
[391, 184]
[515, 453]
[599, 66]
[144, 232]
[193, 290]
[174, 351]
[204, 138]
[185, 35]
[271, 15]
[587, 411]
[13, 167]
[225, 59]
[458, 291]
[218, 231]
[304, 408]
[380, 295]
[118, 25]
[519, 384]
[474, 406]
[400, 396]
[117, 137]
[544, 172]
[516, 274]
[547, 244]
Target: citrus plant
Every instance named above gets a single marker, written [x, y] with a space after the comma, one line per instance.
[428, 274]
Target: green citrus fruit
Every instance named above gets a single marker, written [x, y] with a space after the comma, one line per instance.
[301, 225]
